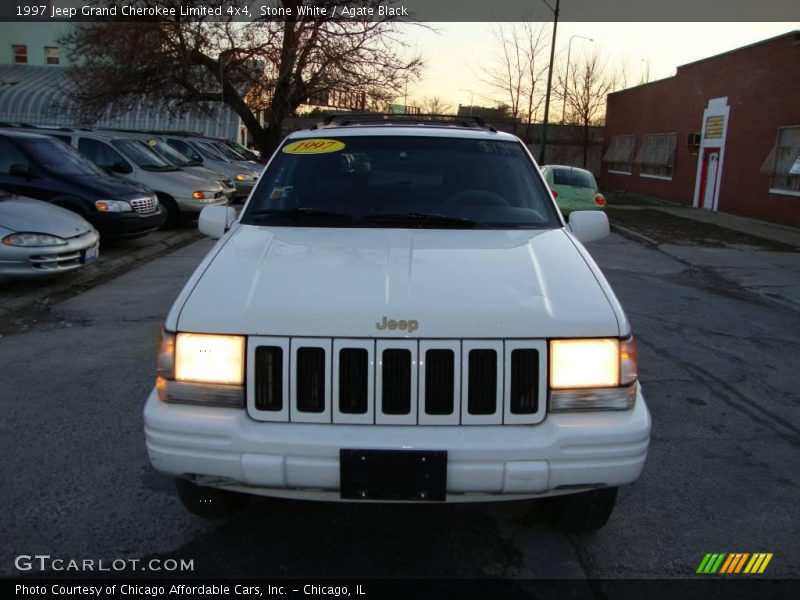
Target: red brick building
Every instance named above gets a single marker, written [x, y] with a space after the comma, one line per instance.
[722, 134]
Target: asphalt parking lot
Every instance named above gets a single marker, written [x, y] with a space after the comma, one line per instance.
[718, 366]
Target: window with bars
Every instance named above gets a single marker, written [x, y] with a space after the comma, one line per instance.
[783, 162]
[619, 156]
[20, 54]
[51, 55]
[657, 155]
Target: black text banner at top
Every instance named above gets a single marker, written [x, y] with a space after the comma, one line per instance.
[710, 11]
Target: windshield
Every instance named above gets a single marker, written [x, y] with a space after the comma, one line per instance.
[402, 181]
[574, 177]
[58, 157]
[227, 152]
[210, 151]
[170, 154]
[139, 153]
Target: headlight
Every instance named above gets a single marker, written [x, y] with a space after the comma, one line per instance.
[29, 240]
[243, 177]
[201, 369]
[203, 195]
[114, 206]
[592, 374]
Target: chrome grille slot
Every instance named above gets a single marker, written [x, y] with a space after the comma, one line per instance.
[310, 380]
[269, 378]
[439, 385]
[143, 206]
[481, 396]
[353, 381]
[396, 390]
[524, 397]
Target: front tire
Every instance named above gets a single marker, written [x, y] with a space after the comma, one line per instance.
[173, 213]
[208, 502]
[587, 511]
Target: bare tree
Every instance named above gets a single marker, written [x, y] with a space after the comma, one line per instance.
[585, 88]
[520, 65]
[257, 66]
[433, 105]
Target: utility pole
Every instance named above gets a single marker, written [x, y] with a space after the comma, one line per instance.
[549, 81]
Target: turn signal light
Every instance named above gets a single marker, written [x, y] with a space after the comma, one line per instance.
[599, 199]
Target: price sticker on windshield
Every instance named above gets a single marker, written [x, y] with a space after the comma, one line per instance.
[314, 146]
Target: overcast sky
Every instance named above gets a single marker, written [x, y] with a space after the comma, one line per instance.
[456, 51]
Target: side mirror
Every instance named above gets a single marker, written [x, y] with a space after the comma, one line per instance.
[21, 171]
[214, 221]
[119, 167]
[589, 225]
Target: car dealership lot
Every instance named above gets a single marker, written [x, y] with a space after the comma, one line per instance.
[716, 365]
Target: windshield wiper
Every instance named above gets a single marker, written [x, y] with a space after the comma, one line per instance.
[421, 220]
[306, 214]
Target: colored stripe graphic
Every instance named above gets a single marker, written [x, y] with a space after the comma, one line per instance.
[758, 563]
[733, 563]
[711, 563]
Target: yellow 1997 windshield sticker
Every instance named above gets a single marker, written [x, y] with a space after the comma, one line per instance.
[314, 146]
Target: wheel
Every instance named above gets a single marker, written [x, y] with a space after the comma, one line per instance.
[208, 502]
[173, 212]
[587, 511]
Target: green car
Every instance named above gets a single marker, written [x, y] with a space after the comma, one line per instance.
[573, 188]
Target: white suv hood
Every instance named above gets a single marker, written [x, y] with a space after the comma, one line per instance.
[295, 281]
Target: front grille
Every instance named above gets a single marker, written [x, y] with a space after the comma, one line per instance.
[269, 378]
[396, 388]
[311, 380]
[397, 381]
[144, 206]
[439, 386]
[56, 261]
[353, 381]
[481, 392]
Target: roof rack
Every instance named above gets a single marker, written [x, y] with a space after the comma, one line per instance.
[352, 119]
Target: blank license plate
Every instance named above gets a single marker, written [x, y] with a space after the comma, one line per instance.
[90, 254]
[393, 474]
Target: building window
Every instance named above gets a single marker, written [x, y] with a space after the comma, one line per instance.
[783, 162]
[657, 156]
[20, 54]
[51, 55]
[619, 155]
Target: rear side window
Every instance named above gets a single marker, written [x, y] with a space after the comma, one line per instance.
[10, 155]
[100, 153]
[574, 178]
[491, 182]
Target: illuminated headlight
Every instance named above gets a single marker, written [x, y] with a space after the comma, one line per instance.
[201, 368]
[593, 374]
[114, 206]
[203, 195]
[33, 240]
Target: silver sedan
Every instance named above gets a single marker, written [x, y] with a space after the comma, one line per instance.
[39, 239]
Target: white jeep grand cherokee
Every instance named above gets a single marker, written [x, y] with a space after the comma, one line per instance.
[399, 314]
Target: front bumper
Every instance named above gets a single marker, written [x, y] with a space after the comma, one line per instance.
[45, 261]
[190, 205]
[565, 453]
[128, 224]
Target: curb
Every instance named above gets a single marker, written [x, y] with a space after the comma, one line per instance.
[85, 279]
[635, 235]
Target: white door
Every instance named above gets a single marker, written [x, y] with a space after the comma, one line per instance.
[711, 181]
